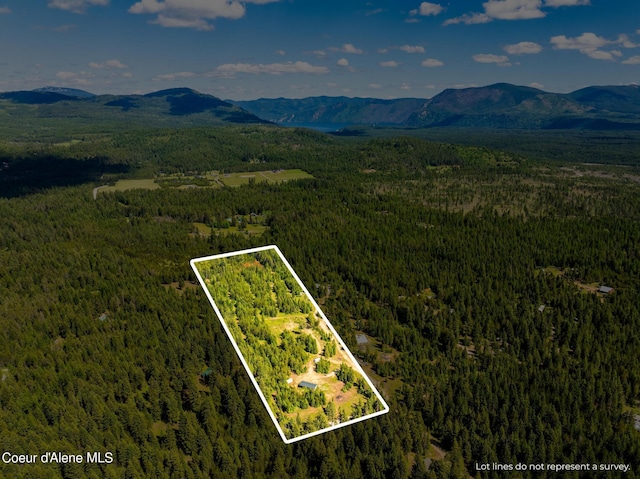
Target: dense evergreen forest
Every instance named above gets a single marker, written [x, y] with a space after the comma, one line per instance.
[473, 273]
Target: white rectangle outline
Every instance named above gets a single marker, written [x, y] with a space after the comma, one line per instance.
[246, 366]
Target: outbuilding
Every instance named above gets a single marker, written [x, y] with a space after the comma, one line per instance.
[308, 385]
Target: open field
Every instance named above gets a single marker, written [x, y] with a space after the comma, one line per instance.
[210, 179]
[284, 322]
[239, 179]
[203, 229]
[249, 230]
[123, 185]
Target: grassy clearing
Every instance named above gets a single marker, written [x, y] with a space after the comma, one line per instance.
[284, 321]
[211, 179]
[239, 179]
[327, 382]
[555, 271]
[589, 288]
[559, 272]
[331, 387]
[250, 230]
[123, 185]
[203, 229]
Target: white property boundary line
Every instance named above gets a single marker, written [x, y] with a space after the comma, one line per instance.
[246, 366]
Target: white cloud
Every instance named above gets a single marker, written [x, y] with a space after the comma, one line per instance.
[513, 9]
[412, 48]
[389, 64]
[632, 60]
[404, 48]
[431, 63]
[502, 10]
[626, 42]
[177, 22]
[343, 62]
[191, 13]
[469, 19]
[347, 48]
[76, 6]
[174, 76]
[4, 10]
[147, 6]
[375, 86]
[281, 52]
[586, 41]
[601, 55]
[229, 70]
[108, 64]
[523, 48]
[565, 3]
[501, 60]
[405, 86]
[319, 53]
[591, 45]
[537, 85]
[426, 9]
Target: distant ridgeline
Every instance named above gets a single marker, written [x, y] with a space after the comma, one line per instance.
[495, 106]
[498, 106]
[166, 108]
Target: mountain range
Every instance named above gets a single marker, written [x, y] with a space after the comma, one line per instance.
[501, 105]
[173, 107]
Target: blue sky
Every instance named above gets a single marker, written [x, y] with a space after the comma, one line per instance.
[296, 48]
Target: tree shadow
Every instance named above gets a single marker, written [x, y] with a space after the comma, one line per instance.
[25, 176]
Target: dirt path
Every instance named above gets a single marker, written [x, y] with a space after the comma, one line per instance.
[95, 191]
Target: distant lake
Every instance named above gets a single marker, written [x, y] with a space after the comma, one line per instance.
[323, 127]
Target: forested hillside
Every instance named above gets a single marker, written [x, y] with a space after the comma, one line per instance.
[472, 272]
[500, 106]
